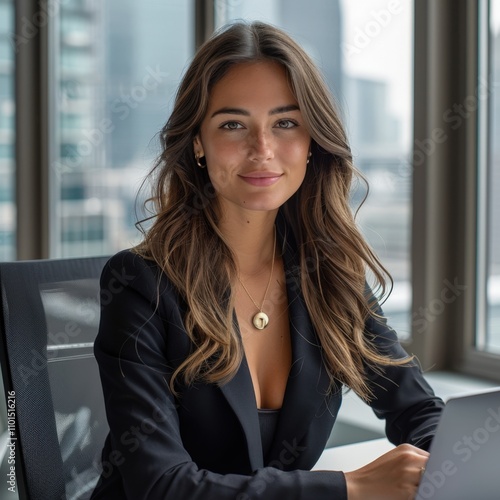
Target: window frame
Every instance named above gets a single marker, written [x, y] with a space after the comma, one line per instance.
[31, 130]
[449, 224]
[476, 361]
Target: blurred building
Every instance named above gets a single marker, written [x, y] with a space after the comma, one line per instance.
[318, 27]
[78, 139]
[7, 132]
[112, 105]
[378, 150]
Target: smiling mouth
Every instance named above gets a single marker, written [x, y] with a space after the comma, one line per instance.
[261, 179]
[261, 175]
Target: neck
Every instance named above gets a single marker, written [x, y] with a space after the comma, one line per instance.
[251, 239]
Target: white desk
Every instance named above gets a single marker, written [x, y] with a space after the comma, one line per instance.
[352, 456]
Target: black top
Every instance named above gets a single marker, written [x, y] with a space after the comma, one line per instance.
[268, 420]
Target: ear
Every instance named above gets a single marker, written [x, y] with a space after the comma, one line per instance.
[197, 146]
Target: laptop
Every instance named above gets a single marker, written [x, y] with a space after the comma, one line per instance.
[464, 462]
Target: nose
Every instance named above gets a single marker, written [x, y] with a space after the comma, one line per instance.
[261, 146]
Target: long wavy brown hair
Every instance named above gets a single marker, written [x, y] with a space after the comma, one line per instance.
[185, 240]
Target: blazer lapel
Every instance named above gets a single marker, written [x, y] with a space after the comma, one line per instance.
[240, 395]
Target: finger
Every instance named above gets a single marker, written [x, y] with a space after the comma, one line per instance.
[412, 448]
[421, 453]
[420, 472]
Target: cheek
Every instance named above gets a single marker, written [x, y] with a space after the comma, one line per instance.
[223, 154]
[296, 149]
[219, 178]
[223, 158]
[295, 156]
[220, 169]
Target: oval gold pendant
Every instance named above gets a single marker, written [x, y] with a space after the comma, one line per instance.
[260, 320]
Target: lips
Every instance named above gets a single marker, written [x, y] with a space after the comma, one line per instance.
[261, 178]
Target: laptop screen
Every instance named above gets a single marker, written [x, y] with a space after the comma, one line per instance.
[464, 460]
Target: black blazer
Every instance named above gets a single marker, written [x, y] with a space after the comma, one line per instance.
[206, 444]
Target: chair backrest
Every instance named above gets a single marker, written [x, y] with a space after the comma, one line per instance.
[49, 314]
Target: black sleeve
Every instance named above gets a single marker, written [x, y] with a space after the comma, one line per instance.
[402, 396]
[145, 442]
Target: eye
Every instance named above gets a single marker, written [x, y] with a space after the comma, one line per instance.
[231, 126]
[286, 124]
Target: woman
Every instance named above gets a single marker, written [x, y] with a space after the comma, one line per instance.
[246, 307]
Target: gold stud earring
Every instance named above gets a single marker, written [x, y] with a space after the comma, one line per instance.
[198, 162]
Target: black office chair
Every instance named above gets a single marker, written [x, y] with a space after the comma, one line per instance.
[49, 314]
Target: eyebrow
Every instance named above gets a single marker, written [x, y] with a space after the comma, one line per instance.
[244, 112]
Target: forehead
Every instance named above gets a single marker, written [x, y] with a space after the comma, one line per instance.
[262, 82]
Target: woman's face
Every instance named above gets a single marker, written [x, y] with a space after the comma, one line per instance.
[254, 138]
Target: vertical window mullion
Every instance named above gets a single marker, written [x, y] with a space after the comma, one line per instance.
[205, 14]
[444, 222]
[482, 181]
[31, 126]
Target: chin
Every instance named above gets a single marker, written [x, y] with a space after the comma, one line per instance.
[262, 206]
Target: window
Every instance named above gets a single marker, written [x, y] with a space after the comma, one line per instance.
[117, 65]
[493, 284]
[7, 164]
[364, 49]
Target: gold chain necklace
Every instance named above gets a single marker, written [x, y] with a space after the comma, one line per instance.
[260, 320]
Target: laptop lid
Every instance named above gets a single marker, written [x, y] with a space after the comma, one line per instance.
[464, 460]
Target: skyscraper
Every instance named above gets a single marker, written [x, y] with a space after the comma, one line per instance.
[317, 25]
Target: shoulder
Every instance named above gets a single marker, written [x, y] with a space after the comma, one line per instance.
[129, 270]
[129, 261]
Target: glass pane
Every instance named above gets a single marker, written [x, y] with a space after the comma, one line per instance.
[364, 49]
[493, 296]
[117, 66]
[7, 132]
